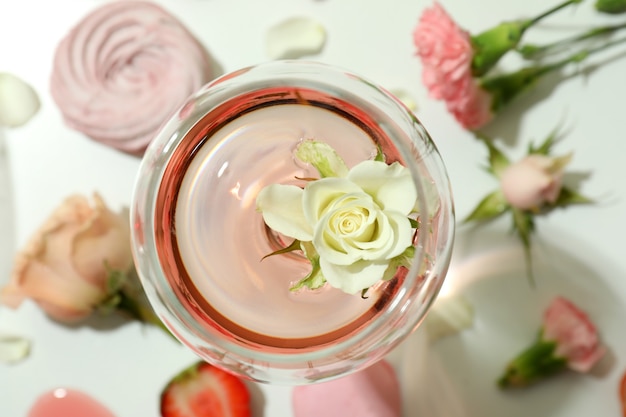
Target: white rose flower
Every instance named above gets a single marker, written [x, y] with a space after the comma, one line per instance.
[357, 224]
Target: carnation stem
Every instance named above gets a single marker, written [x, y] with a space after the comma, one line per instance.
[547, 13]
[490, 45]
[530, 51]
[505, 88]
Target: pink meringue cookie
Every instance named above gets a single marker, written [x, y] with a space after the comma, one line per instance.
[372, 392]
[123, 70]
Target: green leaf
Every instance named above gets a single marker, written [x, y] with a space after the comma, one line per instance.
[323, 157]
[314, 279]
[546, 146]
[498, 162]
[405, 259]
[490, 207]
[380, 156]
[568, 197]
[414, 223]
[295, 245]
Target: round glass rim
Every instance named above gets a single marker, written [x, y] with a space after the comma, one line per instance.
[156, 284]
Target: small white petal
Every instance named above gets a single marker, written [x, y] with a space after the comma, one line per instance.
[355, 277]
[391, 186]
[449, 316]
[294, 38]
[13, 348]
[281, 206]
[18, 101]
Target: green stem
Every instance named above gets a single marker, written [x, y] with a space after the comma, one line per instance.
[504, 88]
[530, 51]
[547, 13]
[142, 312]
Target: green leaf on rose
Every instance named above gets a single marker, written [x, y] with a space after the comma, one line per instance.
[568, 197]
[295, 245]
[546, 146]
[405, 259]
[490, 207]
[314, 279]
[380, 156]
[323, 157]
[498, 162]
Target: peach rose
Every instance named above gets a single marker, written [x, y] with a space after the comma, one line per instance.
[64, 267]
[533, 181]
[123, 70]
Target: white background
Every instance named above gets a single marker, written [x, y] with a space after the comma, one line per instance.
[580, 251]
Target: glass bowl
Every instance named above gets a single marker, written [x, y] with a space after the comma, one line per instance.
[200, 242]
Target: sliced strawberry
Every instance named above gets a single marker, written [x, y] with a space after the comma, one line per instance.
[203, 390]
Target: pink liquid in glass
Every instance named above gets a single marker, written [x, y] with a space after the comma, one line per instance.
[212, 240]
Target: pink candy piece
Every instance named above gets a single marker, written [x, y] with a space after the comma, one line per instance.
[123, 70]
[373, 392]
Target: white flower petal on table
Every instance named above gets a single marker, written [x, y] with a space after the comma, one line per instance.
[18, 101]
[448, 316]
[13, 348]
[391, 185]
[281, 206]
[355, 277]
[294, 38]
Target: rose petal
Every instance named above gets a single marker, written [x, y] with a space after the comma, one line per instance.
[354, 277]
[18, 101]
[391, 185]
[13, 348]
[319, 195]
[294, 38]
[281, 206]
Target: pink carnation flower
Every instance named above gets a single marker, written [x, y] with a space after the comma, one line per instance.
[575, 335]
[446, 53]
[123, 70]
[568, 340]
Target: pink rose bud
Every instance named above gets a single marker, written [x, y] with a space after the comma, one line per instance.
[64, 267]
[568, 340]
[123, 70]
[533, 181]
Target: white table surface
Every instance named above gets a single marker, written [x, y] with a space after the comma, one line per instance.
[126, 366]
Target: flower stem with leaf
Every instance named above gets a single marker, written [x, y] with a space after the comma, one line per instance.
[504, 88]
[532, 51]
[491, 45]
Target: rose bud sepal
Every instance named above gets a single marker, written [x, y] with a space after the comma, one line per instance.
[535, 363]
